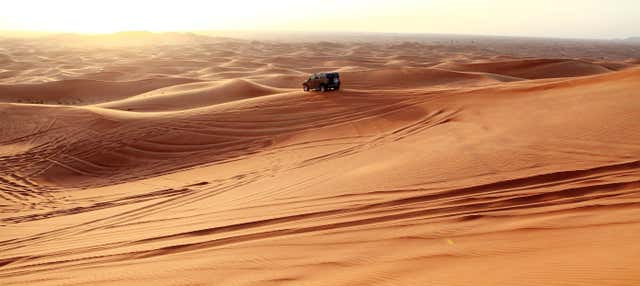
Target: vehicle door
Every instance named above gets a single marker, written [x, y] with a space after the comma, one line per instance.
[315, 81]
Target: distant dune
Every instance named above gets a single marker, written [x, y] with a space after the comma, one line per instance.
[81, 91]
[182, 159]
[633, 39]
[532, 69]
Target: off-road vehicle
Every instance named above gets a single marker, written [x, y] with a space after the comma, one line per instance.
[322, 82]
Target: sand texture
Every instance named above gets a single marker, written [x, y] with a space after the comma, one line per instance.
[200, 161]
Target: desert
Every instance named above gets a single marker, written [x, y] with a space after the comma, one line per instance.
[145, 158]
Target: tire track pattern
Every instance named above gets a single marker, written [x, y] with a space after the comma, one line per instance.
[586, 189]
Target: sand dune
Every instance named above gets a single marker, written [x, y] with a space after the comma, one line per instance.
[418, 78]
[5, 59]
[205, 163]
[81, 91]
[532, 69]
[189, 96]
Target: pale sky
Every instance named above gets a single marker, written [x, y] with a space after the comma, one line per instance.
[544, 18]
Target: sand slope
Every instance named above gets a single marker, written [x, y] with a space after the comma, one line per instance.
[193, 95]
[452, 169]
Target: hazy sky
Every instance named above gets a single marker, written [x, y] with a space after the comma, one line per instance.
[547, 18]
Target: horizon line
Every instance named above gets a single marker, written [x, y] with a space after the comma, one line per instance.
[273, 31]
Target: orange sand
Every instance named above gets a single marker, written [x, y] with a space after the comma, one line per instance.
[206, 164]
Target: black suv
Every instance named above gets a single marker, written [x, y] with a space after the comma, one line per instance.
[322, 82]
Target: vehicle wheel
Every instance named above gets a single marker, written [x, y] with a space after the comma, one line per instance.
[337, 87]
[323, 88]
[305, 88]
